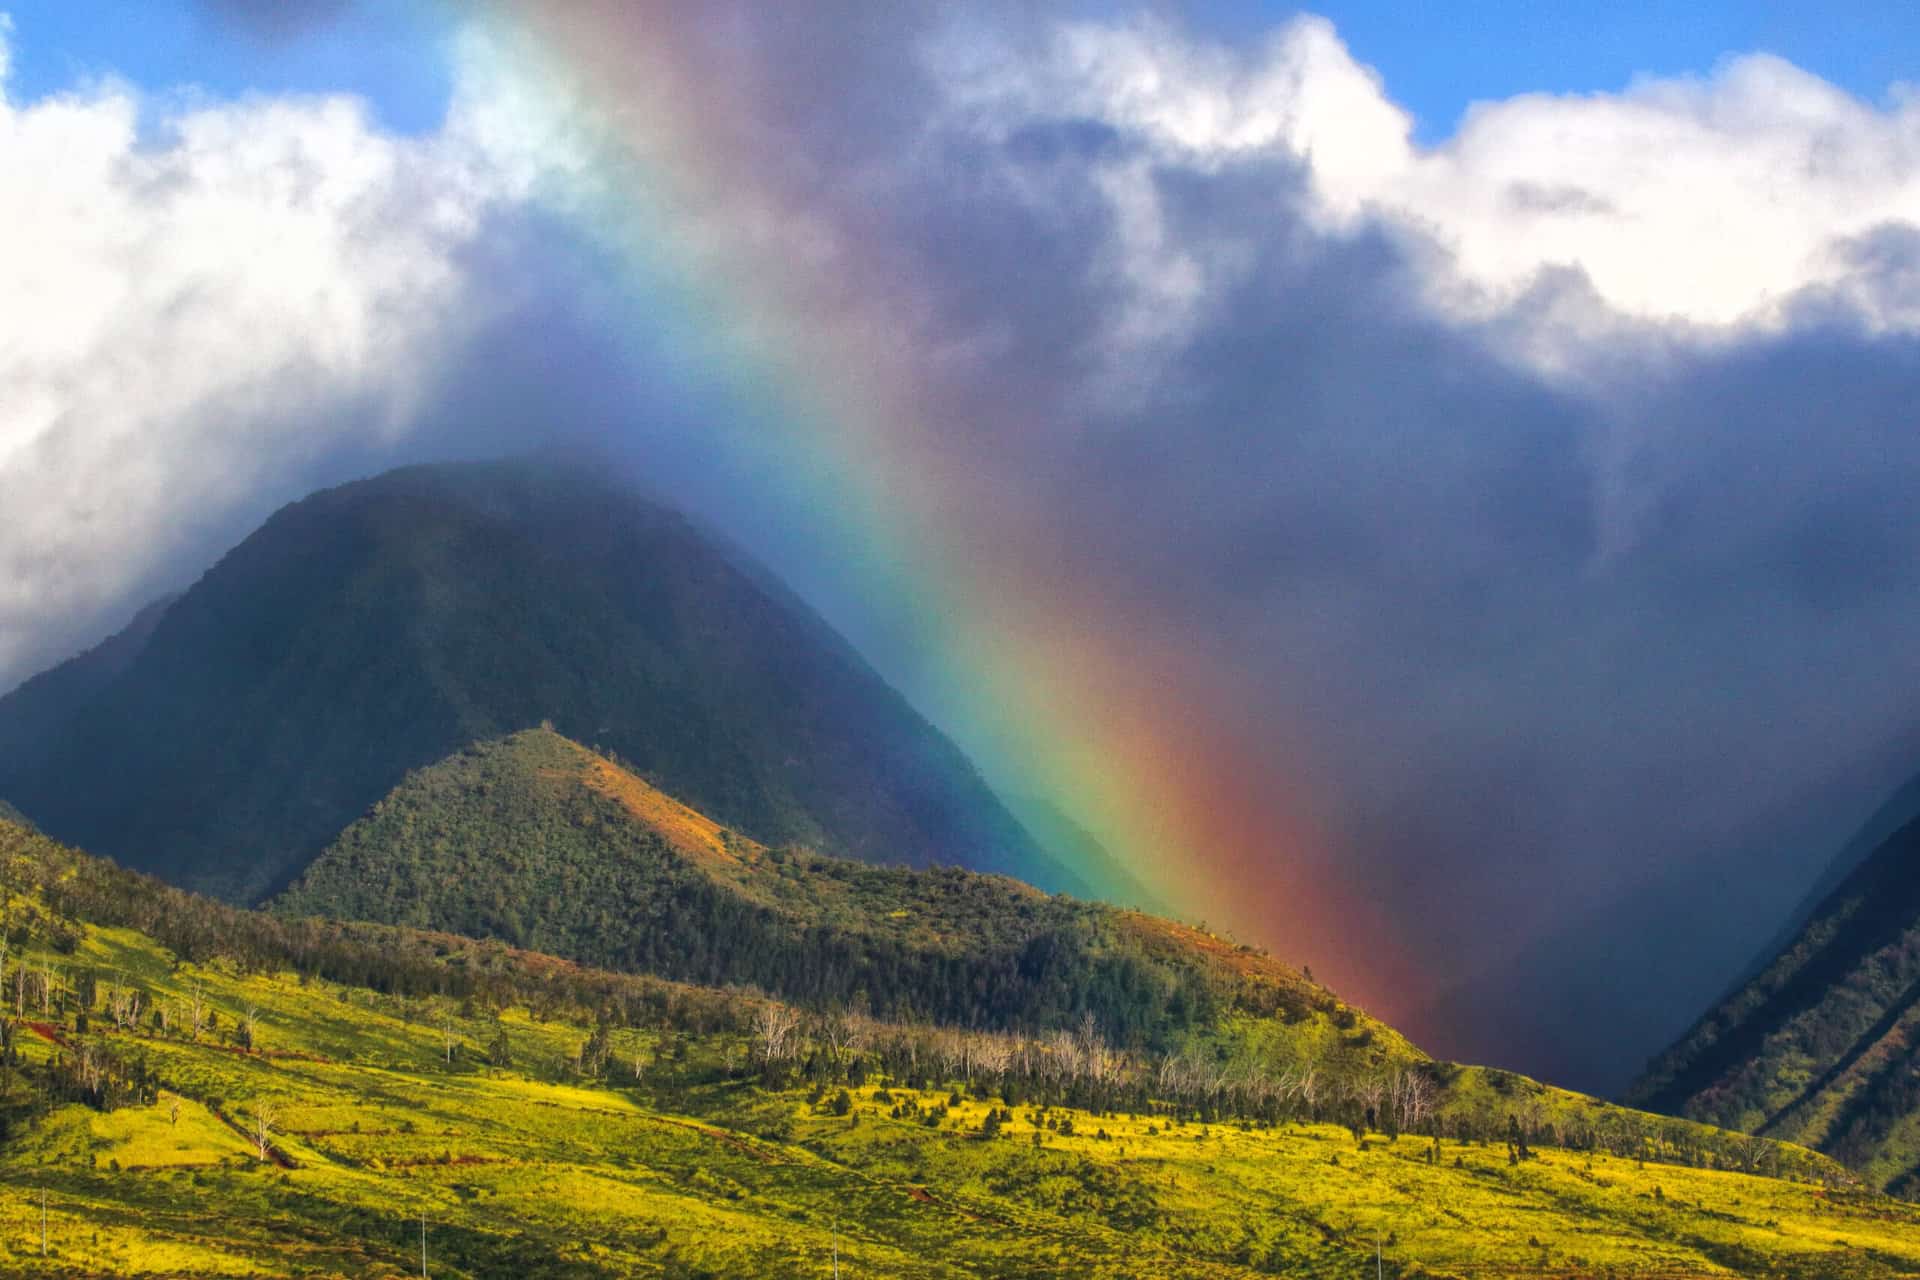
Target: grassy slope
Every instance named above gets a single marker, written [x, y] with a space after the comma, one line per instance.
[1823, 1045]
[540, 842]
[684, 1171]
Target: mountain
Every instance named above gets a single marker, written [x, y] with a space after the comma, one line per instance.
[35, 713]
[201, 1089]
[1900, 808]
[1822, 1045]
[1072, 845]
[537, 841]
[377, 627]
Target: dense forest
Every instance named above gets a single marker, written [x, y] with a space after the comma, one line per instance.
[544, 844]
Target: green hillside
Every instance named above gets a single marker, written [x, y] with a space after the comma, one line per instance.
[533, 1118]
[1822, 1046]
[374, 628]
[537, 841]
[10, 814]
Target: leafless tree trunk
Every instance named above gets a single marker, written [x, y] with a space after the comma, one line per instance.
[773, 1029]
[123, 1004]
[197, 1009]
[264, 1116]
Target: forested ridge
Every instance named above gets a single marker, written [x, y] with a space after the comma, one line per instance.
[1822, 1045]
[540, 842]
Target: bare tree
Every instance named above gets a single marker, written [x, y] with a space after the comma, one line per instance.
[1369, 1089]
[265, 1114]
[774, 1031]
[123, 1003]
[196, 1002]
[1412, 1099]
[842, 1033]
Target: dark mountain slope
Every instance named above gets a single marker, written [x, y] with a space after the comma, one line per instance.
[1073, 846]
[34, 714]
[541, 843]
[1822, 1047]
[1902, 807]
[374, 628]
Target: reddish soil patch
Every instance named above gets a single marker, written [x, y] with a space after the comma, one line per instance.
[50, 1033]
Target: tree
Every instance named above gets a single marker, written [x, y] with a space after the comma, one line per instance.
[774, 1028]
[264, 1115]
[500, 1052]
[596, 1051]
[196, 1002]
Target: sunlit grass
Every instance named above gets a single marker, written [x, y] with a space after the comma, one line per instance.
[679, 1169]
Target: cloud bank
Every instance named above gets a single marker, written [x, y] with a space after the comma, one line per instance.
[206, 301]
[1517, 528]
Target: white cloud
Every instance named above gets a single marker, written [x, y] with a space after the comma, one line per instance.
[200, 297]
[1709, 201]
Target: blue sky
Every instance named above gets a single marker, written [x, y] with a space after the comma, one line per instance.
[1439, 58]
[1436, 59]
[390, 53]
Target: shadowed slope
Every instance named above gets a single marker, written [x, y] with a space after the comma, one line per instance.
[1822, 1046]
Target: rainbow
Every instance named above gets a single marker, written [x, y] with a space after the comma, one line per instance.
[844, 390]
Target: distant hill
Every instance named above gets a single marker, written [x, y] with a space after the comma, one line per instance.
[541, 843]
[1822, 1045]
[374, 628]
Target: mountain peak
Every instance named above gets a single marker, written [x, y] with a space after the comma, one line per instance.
[377, 627]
